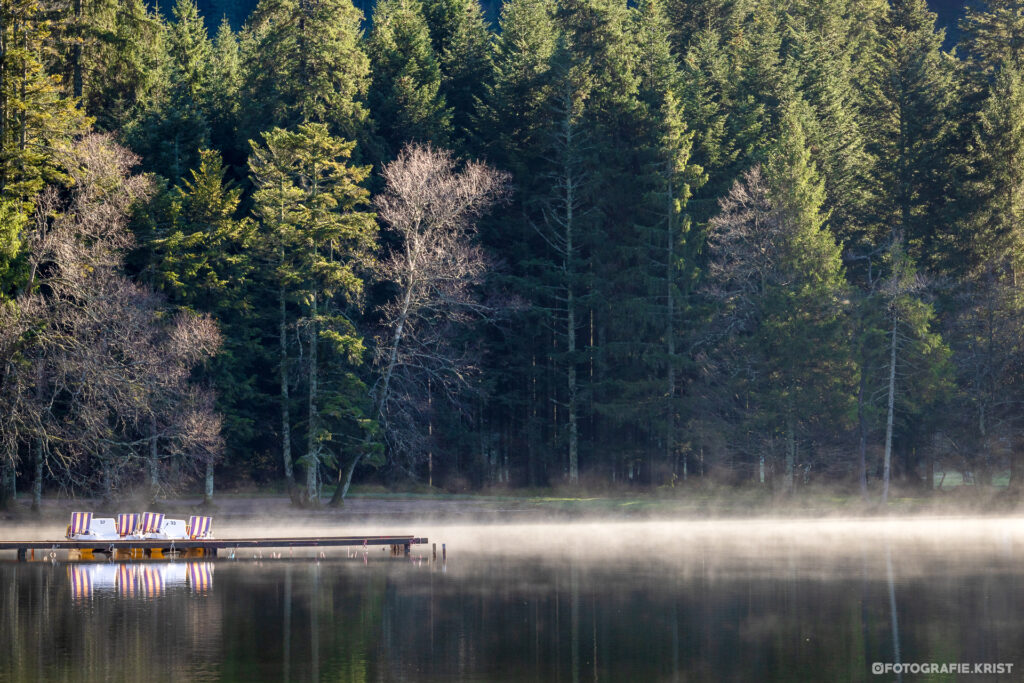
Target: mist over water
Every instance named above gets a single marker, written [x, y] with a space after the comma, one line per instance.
[762, 599]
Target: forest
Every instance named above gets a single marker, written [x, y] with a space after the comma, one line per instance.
[572, 243]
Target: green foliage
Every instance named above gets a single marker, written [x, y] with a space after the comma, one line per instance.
[320, 239]
[13, 267]
[35, 119]
[172, 126]
[301, 62]
[406, 98]
[462, 43]
[650, 143]
[994, 34]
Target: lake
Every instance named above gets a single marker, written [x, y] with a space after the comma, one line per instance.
[739, 600]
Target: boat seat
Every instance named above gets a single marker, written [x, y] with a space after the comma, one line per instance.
[79, 523]
[127, 524]
[170, 529]
[200, 527]
[150, 523]
[89, 528]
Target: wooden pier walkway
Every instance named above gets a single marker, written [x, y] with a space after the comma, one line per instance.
[212, 545]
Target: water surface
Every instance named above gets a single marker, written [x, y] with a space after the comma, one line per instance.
[644, 601]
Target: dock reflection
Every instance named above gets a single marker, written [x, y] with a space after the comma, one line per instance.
[138, 580]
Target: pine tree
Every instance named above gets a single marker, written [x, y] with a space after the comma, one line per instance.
[687, 18]
[825, 47]
[912, 128]
[405, 97]
[511, 115]
[191, 54]
[205, 260]
[994, 34]
[672, 248]
[310, 203]
[303, 61]
[172, 127]
[123, 61]
[35, 117]
[514, 122]
[462, 43]
[996, 185]
[223, 101]
[776, 271]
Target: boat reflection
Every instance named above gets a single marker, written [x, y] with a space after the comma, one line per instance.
[138, 580]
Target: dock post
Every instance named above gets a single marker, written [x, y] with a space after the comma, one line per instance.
[444, 552]
[435, 552]
[212, 551]
[22, 554]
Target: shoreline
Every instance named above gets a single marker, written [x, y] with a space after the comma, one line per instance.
[498, 507]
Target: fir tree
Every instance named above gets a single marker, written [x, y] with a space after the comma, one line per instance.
[310, 203]
[462, 43]
[303, 61]
[406, 97]
[35, 117]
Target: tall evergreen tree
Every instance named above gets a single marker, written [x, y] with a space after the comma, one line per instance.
[223, 100]
[124, 66]
[35, 117]
[462, 43]
[303, 61]
[994, 34]
[912, 126]
[405, 97]
[310, 201]
[776, 270]
[173, 126]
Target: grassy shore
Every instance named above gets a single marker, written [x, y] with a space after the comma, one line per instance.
[501, 504]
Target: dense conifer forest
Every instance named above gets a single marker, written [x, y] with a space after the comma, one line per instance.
[583, 243]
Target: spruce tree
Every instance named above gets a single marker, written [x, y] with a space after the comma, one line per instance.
[462, 43]
[172, 126]
[207, 260]
[303, 61]
[223, 101]
[994, 34]
[776, 271]
[406, 97]
[112, 56]
[311, 205]
[35, 116]
[912, 128]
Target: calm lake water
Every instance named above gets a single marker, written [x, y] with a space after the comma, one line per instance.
[666, 601]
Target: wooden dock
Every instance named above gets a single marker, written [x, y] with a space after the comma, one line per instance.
[211, 546]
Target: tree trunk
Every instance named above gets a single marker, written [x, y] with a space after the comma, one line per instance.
[887, 466]
[8, 490]
[208, 489]
[570, 334]
[670, 340]
[286, 427]
[574, 471]
[37, 478]
[862, 429]
[312, 440]
[154, 477]
[344, 482]
[790, 451]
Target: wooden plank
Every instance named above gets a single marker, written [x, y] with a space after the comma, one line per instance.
[183, 544]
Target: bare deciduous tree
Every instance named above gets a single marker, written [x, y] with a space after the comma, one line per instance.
[437, 268]
[94, 373]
